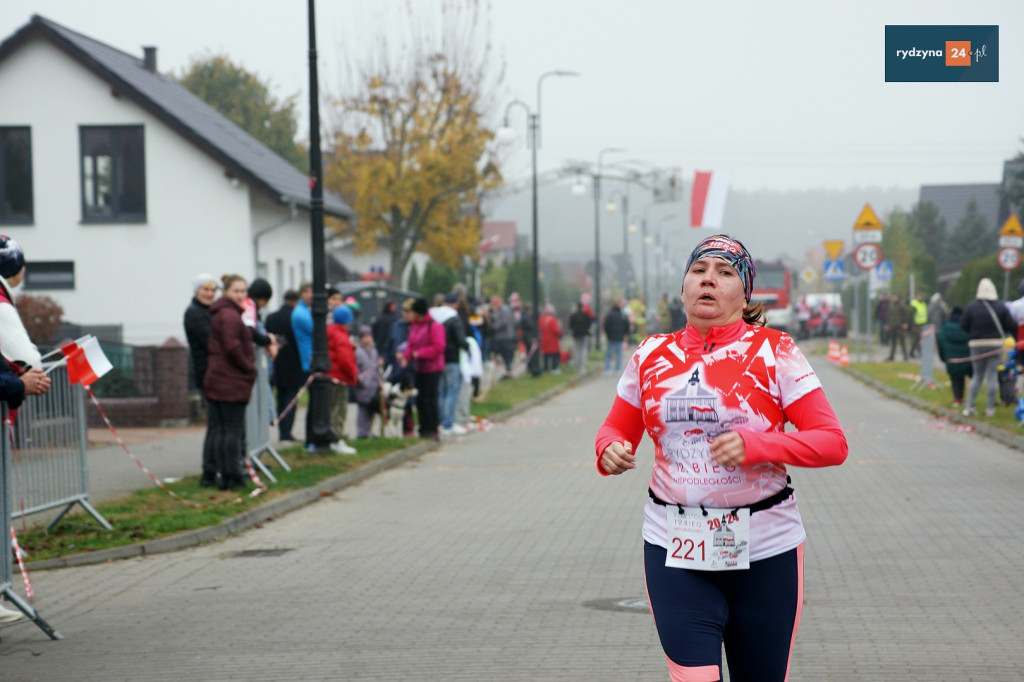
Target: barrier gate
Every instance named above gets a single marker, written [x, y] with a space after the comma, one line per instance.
[7, 542]
[259, 413]
[50, 466]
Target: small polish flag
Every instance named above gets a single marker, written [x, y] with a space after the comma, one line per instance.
[487, 243]
[707, 203]
[249, 315]
[87, 363]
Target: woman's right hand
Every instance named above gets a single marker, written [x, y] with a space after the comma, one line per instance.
[618, 458]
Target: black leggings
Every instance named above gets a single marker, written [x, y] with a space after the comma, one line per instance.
[225, 438]
[755, 612]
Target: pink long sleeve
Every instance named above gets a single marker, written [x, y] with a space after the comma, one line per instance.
[623, 423]
[818, 442]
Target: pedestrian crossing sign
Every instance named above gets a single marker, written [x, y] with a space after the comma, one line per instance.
[834, 271]
[884, 270]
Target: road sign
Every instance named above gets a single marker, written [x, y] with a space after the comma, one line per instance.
[833, 247]
[808, 275]
[868, 228]
[883, 270]
[834, 271]
[1011, 235]
[1009, 258]
[867, 255]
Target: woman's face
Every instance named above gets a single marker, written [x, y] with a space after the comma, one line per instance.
[207, 293]
[713, 293]
[237, 292]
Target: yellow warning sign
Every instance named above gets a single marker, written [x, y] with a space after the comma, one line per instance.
[833, 247]
[867, 220]
[1011, 228]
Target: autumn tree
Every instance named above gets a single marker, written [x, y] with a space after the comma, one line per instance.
[247, 101]
[410, 150]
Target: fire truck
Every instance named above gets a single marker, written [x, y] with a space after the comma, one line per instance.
[773, 286]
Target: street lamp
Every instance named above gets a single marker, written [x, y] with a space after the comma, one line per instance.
[320, 433]
[533, 118]
[647, 240]
[662, 251]
[597, 237]
[611, 208]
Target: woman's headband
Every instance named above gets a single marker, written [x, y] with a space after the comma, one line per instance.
[732, 252]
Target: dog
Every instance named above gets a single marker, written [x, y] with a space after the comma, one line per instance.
[395, 397]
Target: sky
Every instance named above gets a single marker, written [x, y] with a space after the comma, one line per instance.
[780, 94]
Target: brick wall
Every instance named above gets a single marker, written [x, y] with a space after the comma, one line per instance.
[169, 404]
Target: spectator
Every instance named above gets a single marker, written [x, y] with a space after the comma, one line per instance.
[987, 322]
[616, 327]
[953, 350]
[897, 322]
[503, 324]
[367, 391]
[343, 372]
[919, 318]
[451, 381]
[381, 327]
[400, 373]
[287, 373]
[550, 339]
[579, 327]
[17, 347]
[302, 326]
[197, 325]
[424, 352]
[530, 337]
[677, 314]
[230, 373]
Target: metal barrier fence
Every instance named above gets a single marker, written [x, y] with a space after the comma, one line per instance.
[50, 468]
[258, 416]
[7, 541]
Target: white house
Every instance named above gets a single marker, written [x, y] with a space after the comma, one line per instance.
[122, 186]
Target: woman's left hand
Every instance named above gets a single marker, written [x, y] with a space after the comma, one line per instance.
[728, 449]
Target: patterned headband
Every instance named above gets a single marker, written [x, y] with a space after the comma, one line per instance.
[732, 252]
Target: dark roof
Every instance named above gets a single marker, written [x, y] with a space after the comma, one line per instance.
[240, 153]
[952, 201]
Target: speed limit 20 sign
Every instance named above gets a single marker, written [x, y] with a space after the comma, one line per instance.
[1009, 258]
[867, 255]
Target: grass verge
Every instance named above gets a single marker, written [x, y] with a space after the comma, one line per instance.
[903, 378]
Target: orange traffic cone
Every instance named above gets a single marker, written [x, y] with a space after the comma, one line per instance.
[844, 357]
[833, 350]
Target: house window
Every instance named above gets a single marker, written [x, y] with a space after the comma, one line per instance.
[113, 174]
[15, 175]
[51, 274]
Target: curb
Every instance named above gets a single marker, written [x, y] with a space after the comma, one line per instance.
[287, 503]
[987, 430]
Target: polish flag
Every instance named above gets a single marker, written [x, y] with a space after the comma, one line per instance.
[71, 346]
[487, 243]
[249, 315]
[87, 363]
[707, 204]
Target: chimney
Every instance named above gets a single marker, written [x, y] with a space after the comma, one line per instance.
[149, 59]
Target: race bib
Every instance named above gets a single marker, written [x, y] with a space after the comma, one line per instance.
[718, 541]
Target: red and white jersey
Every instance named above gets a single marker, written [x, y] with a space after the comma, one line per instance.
[690, 389]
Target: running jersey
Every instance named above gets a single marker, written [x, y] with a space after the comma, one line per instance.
[690, 389]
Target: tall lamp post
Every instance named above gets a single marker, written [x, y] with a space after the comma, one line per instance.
[533, 118]
[321, 434]
[597, 239]
[611, 208]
